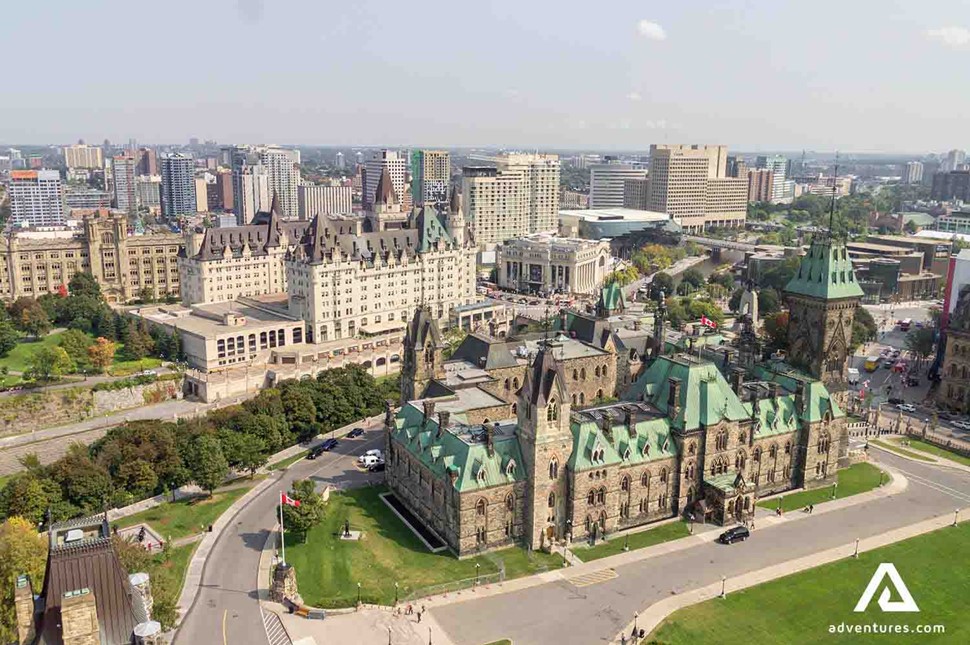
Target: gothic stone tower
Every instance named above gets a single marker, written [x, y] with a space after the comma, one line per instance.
[423, 360]
[822, 299]
[546, 442]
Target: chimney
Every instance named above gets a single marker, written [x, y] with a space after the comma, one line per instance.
[673, 397]
[606, 424]
[444, 417]
[142, 586]
[562, 320]
[629, 422]
[636, 324]
[79, 618]
[428, 410]
[800, 391]
[737, 382]
[490, 438]
[492, 329]
[24, 609]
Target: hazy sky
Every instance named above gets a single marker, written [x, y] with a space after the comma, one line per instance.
[859, 75]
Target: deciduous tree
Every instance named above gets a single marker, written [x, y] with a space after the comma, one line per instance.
[206, 462]
[300, 519]
[48, 363]
[101, 353]
[22, 551]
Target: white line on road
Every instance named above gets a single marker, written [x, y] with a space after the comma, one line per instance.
[941, 488]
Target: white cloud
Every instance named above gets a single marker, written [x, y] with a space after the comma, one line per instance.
[634, 96]
[651, 30]
[956, 37]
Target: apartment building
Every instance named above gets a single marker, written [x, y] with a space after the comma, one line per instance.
[430, 176]
[782, 188]
[323, 199]
[178, 185]
[149, 192]
[123, 264]
[760, 183]
[83, 156]
[36, 198]
[516, 197]
[913, 172]
[690, 183]
[396, 165]
[636, 193]
[257, 173]
[125, 188]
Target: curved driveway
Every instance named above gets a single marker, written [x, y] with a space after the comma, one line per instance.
[226, 610]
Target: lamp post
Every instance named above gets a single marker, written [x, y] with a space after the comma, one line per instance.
[429, 636]
[358, 594]
[395, 593]
[388, 636]
[626, 542]
[881, 474]
[856, 554]
[835, 488]
[478, 567]
[956, 515]
[636, 615]
[723, 590]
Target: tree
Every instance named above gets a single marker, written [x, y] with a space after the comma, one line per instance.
[776, 328]
[920, 343]
[138, 478]
[864, 328]
[25, 496]
[48, 363]
[453, 338]
[768, 302]
[662, 282]
[76, 344]
[300, 410]
[693, 277]
[735, 302]
[723, 278]
[84, 284]
[30, 316]
[102, 353]
[300, 519]
[245, 451]
[8, 337]
[910, 227]
[85, 483]
[206, 462]
[146, 294]
[22, 551]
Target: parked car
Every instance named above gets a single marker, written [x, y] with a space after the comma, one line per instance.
[963, 425]
[356, 432]
[912, 381]
[316, 452]
[735, 534]
[368, 460]
[328, 445]
[906, 407]
[375, 452]
[895, 400]
[376, 468]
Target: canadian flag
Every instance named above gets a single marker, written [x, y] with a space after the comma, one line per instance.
[707, 322]
[289, 501]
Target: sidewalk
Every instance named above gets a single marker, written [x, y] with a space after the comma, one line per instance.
[929, 457]
[654, 614]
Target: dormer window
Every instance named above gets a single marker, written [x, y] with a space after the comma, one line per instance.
[482, 476]
[626, 454]
[646, 449]
[510, 468]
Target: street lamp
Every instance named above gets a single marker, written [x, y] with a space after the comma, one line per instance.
[636, 615]
[835, 488]
[856, 554]
[358, 594]
[956, 515]
[388, 636]
[478, 567]
[881, 475]
[395, 593]
[723, 591]
[626, 542]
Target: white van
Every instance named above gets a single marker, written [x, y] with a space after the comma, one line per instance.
[367, 461]
[853, 376]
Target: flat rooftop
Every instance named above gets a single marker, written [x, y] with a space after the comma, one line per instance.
[483, 304]
[210, 320]
[472, 398]
[564, 348]
[615, 214]
[553, 240]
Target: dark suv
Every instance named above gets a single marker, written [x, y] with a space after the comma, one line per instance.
[738, 533]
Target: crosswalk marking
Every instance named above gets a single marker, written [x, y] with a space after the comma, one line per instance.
[592, 578]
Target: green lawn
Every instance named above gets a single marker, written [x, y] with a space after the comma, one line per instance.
[175, 566]
[124, 368]
[939, 452]
[639, 540]
[857, 478]
[289, 461]
[899, 450]
[19, 357]
[185, 517]
[799, 608]
[328, 568]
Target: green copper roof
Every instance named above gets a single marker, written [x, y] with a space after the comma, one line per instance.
[611, 298]
[774, 416]
[650, 441]
[825, 272]
[431, 229]
[705, 396]
[817, 397]
[724, 482]
[451, 453]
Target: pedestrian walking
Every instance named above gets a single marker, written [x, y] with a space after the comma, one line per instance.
[419, 615]
[410, 610]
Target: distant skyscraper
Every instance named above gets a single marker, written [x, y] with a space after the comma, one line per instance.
[606, 183]
[339, 162]
[397, 167]
[782, 188]
[954, 161]
[201, 194]
[178, 184]
[220, 197]
[82, 156]
[123, 174]
[149, 189]
[283, 166]
[690, 183]
[913, 172]
[518, 197]
[332, 198]
[736, 167]
[760, 183]
[280, 166]
[36, 198]
[147, 161]
[430, 176]
[359, 157]
[636, 193]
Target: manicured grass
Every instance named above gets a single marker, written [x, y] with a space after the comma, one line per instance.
[19, 357]
[289, 461]
[187, 516]
[939, 452]
[799, 608]
[176, 565]
[892, 446]
[857, 478]
[662, 533]
[124, 368]
[328, 568]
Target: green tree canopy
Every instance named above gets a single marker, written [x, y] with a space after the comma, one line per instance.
[48, 363]
[300, 519]
[206, 462]
[84, 284]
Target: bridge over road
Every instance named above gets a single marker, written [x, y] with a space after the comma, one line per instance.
[715, 243]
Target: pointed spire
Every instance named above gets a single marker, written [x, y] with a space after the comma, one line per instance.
[274, 208]
[455, 203]
[385, 193]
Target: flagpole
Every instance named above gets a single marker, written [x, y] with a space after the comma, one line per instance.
[282, 538]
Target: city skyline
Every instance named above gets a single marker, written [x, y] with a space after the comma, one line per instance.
[616, 80]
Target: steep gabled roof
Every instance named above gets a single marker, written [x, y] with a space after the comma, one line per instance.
[423, 327]
[385, 189]
[544, 379]
[825, 272]
[485, 352]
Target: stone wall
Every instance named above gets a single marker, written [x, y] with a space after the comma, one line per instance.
[590, 378]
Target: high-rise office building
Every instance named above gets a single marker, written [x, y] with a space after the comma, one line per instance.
[760, 183]
[955, 159]
[636, 193]
[518, 196]
[283, 167]
[147, 161]
[36, 198]
[219, 193]
[736, 167]
[202, 194]
[123, 175]
[397, 166]
[250, 165]
[332, 198]
[430, 176]
[690, 183]
[953, 185]
[149, 188]
[782, 188]
[178, 184]
[339, 162]
[83, 156]
[913, 172]
[606, 182]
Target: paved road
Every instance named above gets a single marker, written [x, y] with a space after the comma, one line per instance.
[558, 612]
[226, 609]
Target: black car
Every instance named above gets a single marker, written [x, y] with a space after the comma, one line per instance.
[738, 533]
[313, 454]
[895, 400]
[356, 432]
[328, 445]
[376, 468]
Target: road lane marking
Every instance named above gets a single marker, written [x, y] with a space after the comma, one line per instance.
[940, 488]
[592, 578]
[225, 640]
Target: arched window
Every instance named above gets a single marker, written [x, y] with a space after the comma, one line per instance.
[553, 468]
[823, 444]
[596, 371]
[604, 370]
[480, 507]
[582, 373]
[591, 497]
[788, 447]
[482, 476]
[599, 394]
[552, 500]
[508, 384]
[601, 496]
[645, 479]
[721, 442]
[690, 470]
[757, 455]
[739, 460]
[625, 484]
[515, 383]
[510, 502]
[574, 399]
[663, 476]
[691, 448]
[588, 524]
[552, 412]
[575, 375]
[773, 451]
[515, 408]
[582, 398]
